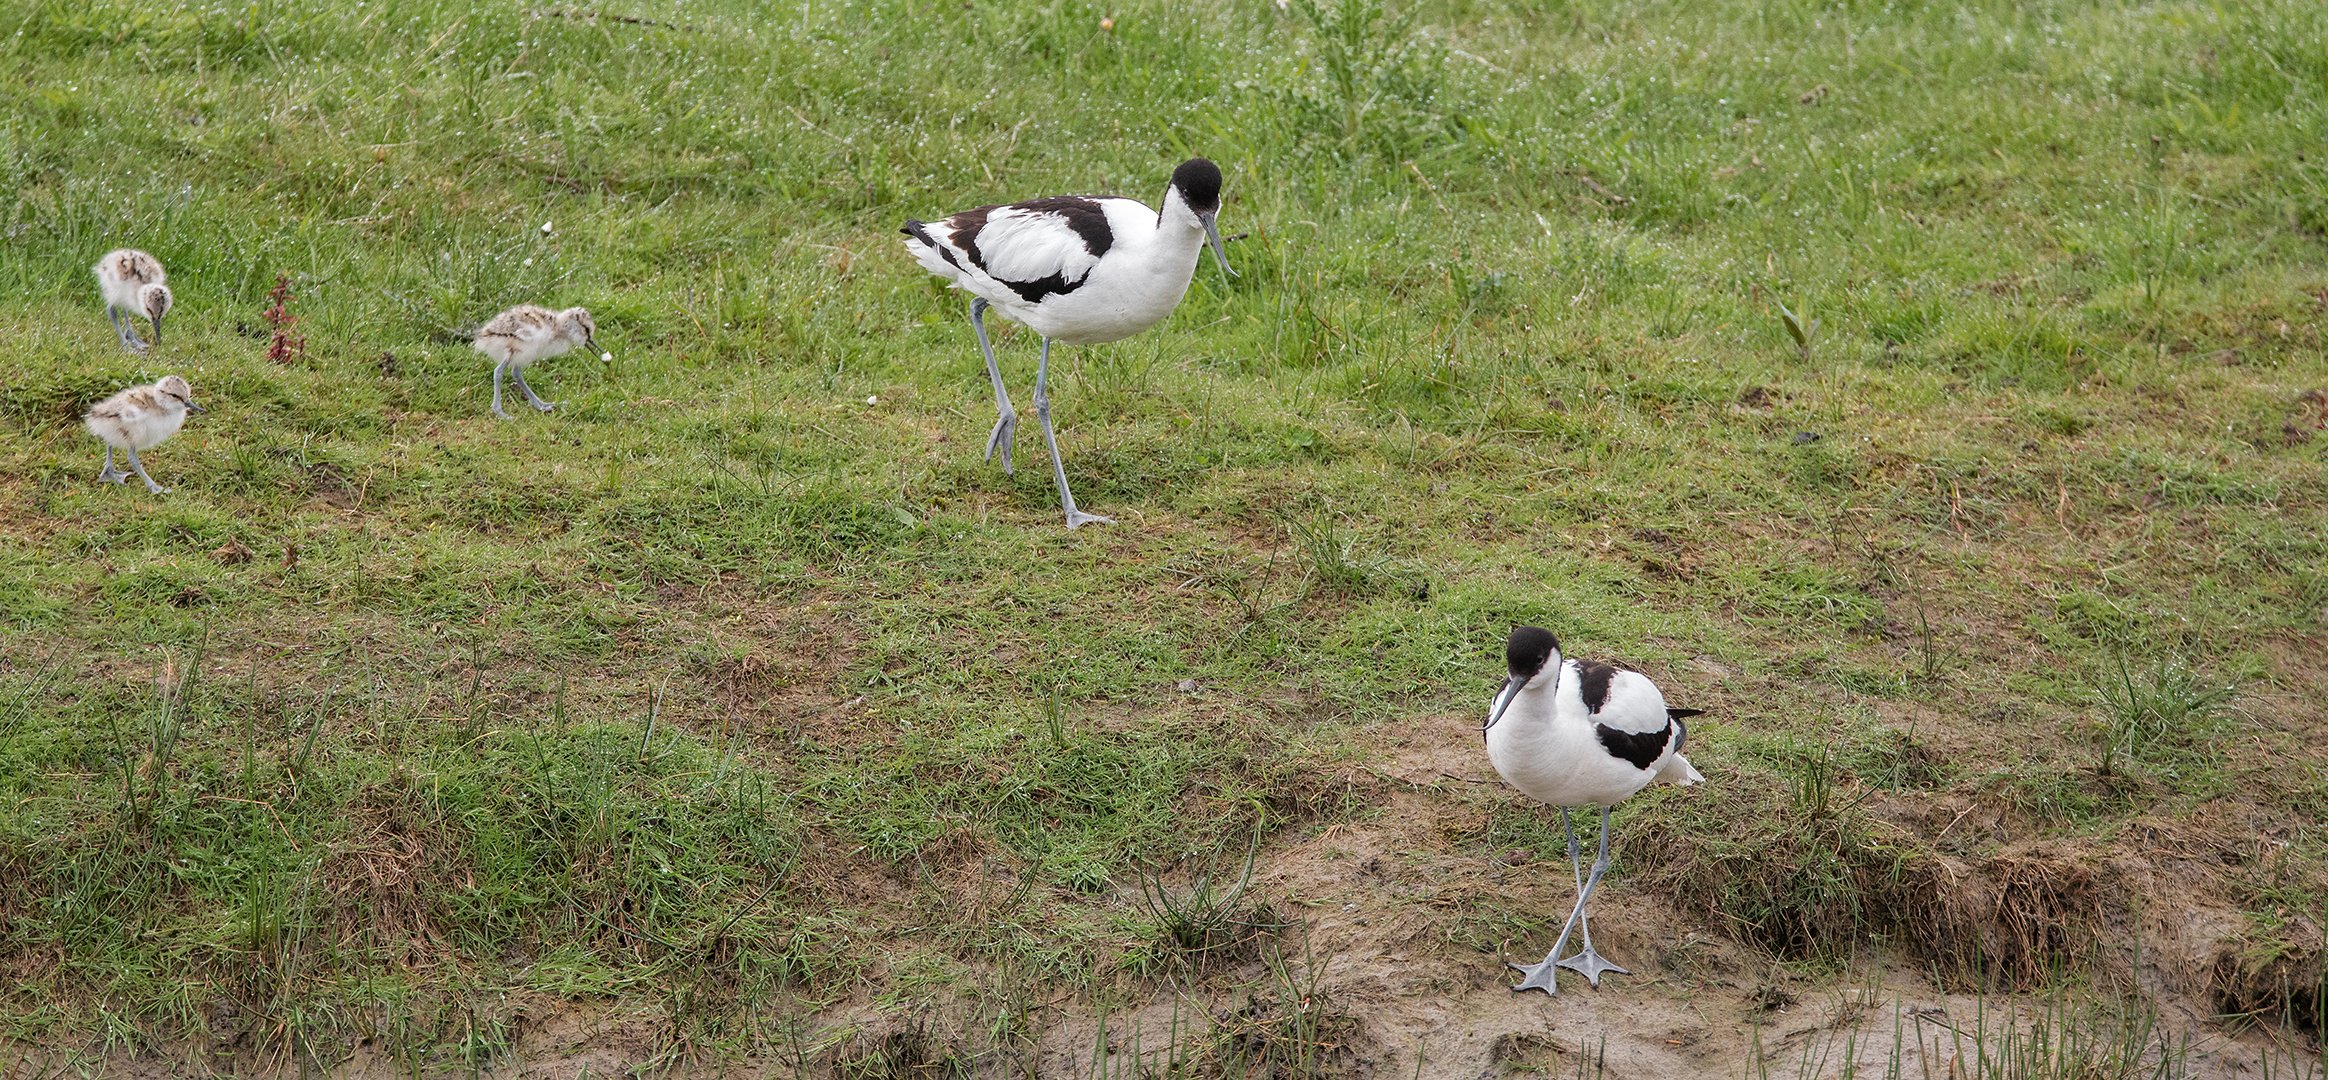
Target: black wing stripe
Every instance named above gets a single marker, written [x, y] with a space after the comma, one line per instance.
[965, 227]
[1640, 751]
[1085, 217]
[1593, 679]
[1034, 291]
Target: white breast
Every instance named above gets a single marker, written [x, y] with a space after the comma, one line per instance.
[541, 349]
[1558, 760]
[120, 294]
[154, 427]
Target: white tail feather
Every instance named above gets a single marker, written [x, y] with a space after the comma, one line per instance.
[1678, 770]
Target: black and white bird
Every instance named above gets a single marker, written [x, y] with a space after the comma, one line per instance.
[1574, 733]
[527, 333]
[1075, 268]
[131, 281]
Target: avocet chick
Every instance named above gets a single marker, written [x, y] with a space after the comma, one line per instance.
[139, 418]
[131, 281]
[526, 333]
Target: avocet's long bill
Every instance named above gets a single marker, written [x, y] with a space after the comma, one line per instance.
[1511, 692]
[1212, 235]
[1503, 699]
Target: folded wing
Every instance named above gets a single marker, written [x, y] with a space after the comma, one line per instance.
[1028, 250]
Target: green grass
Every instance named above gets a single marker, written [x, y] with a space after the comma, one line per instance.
[350, 733]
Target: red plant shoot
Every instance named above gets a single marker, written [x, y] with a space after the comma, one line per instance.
[285, 344]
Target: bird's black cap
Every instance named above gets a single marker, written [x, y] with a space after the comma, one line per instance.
[1199, 182]
[1529, 648]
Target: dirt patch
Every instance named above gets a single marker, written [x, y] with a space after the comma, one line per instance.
[785, 673]
[1399, 919]
[1370, 957]
[2280, 980]
[2012, 921]
[533, 1040]
[373, 877]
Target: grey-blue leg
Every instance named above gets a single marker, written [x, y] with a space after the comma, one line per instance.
[129, 338]
[1575, 857]
[1075, 518]
[1590, 962]
[111, 474]
[1545, 974]
[518, 373]
[1541, 975]
[134, 463]
[497, 368]
[1005, 419]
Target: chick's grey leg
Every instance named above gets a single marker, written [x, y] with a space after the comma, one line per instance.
[111, 474]
[134, 463]
[519, 374]
[129, 338]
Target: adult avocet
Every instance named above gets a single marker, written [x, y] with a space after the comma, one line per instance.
[139, 418]
[1580, 733]
[131, 281]
[526, 333]
[1079, 269]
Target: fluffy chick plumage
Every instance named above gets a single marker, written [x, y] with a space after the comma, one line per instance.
[526, 333]
[132, 282]
[140, 418]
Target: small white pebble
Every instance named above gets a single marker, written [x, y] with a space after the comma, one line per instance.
[606, 356]
[872, 399]
[529, 262]
[545, 228]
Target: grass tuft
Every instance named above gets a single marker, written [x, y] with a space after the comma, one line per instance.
[2169, 719]
[906, 1052]
[1208, 926]
[1289, 1027]
[1791, 865]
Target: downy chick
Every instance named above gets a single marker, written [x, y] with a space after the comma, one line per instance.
[140, 418]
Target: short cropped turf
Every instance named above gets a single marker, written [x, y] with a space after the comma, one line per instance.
[1933, 393]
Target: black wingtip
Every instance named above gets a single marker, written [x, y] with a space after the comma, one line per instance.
[919, 231]
[1681, 714]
